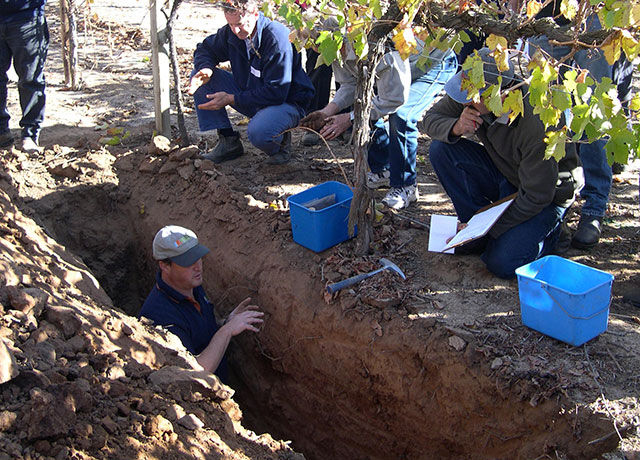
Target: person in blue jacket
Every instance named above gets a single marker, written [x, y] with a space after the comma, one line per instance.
[24, 39]
[179, 303]
[266, 83]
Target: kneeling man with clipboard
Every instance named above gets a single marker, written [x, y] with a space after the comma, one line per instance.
[510, 160]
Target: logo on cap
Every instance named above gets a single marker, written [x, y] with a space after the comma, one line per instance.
[180, 241]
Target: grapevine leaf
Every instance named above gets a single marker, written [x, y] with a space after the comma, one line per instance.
[496, 42]
[533, 8]
[560, 98]
[569, 9]
[492, 99]
[513, 104]
[556, 142]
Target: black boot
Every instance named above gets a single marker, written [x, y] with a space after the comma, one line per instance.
[284, 155]
[564, 239]
[228, 148]
[632, 295]
[588, 233]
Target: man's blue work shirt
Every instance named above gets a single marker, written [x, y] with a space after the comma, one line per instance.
[269, 73]
[179, 314]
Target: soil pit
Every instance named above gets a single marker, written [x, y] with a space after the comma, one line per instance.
[439, 366]
[365, 374]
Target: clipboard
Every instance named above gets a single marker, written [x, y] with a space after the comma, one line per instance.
[481, 222]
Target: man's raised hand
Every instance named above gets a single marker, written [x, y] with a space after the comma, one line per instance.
[467, 123]
[245, 317]
[198, 79]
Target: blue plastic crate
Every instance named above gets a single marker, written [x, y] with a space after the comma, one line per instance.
[564, 299]
[320, 229]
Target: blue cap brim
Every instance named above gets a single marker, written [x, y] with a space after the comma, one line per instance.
[191, 256]
[454, 91]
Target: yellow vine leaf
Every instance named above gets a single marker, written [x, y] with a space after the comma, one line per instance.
[496, 42]
[634, 15]
[502, 59]
[630, 45]
[513, 104]
[405, 42]
[533, 8]
[612, 48]
[569, 9]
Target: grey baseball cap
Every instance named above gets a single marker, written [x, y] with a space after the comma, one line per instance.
[178, 244]
[454, 89]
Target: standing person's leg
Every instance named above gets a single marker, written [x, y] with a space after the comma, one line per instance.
[5, 62]
[378, 156]
[29, 42]
[597, 171]
[265, 131]
[622, 76]
[524, 243]
[403, 131]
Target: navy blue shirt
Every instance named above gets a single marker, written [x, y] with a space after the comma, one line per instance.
[268, 73]
[179, 314]
[15, 10]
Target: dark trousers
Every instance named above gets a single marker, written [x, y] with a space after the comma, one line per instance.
[472, 182]
[25, 42]
[321, 79]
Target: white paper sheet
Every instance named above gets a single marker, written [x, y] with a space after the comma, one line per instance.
[441, 229]
[479, 224]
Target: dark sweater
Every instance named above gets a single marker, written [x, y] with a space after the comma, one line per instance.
[517, 150]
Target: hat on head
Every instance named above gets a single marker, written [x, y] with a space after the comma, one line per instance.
[178, 244]
[454, 89]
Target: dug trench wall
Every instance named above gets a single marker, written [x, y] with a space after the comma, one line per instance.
[342, 381]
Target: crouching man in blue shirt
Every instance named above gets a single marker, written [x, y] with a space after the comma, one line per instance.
[267, 83]
[178, 301]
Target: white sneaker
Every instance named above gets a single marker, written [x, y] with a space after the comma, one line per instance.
[377, 180]
[401, 197]
[29, 145]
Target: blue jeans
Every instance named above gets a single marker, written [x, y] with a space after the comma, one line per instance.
[266, 125]
[26, 43]
[472, 181]
[597, 170]
[394, 147]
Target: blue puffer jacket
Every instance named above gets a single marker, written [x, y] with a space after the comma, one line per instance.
[271, 74]
[12, 10]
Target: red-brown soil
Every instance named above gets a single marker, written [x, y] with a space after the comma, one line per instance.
[438, 366]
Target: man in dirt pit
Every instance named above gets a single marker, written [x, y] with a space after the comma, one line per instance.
[178, 301]
[509, 160]
[267, 83]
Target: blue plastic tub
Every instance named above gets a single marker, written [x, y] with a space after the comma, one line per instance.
[322, 228]
[564, 299]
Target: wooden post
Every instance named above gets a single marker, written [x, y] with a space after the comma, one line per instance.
[68, 33]
[160, 61]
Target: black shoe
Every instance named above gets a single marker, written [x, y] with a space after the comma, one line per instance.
[618, 168]
[6, 139]
[310, 139]
[588, 233]
[564, 240]
[228, 148]
[284, 155]
[632, 296]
